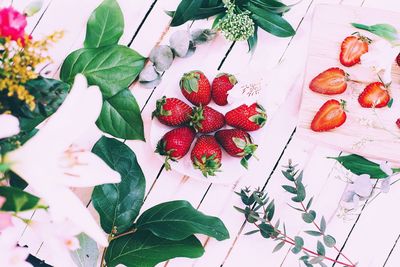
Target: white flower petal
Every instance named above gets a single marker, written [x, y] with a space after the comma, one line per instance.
[386, 167]
[363, 186]
[385, 185]
[9, 125]
[89, 171]
[78, 112]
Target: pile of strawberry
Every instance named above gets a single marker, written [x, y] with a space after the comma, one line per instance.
[202, 120]
[333, 81]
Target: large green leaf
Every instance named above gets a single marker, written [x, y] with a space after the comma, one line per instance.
[360, 165]
[105, 26]
[112, 68]
[177, 220]
[120, 117]
[88, 253]
[270, 22]
[143, 249]
[118, 204]
[385, 31]
[49, 95]
[17, 200]
[186, 11]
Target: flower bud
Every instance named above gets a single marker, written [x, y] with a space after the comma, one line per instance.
[33, 7]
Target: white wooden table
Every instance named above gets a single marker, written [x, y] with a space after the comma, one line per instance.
[369, 237]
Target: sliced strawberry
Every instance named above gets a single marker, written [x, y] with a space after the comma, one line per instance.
[331, 115]
[332, 81]
[352, 48]
[375, 95]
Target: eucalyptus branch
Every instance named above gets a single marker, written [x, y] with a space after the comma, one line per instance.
[258, 200]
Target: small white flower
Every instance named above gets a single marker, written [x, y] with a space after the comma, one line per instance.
[380, 58]
[33, 7]
[10, 254]
[50, 164]
[362, 186]
[9, 125]
[386, 167]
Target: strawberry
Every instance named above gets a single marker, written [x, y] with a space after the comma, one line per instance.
[206, 155]
[352, 48]
[196, 88]
[398, 123]
[172, 111]
[206, 119]
[237, 143]
[398, 60]
[329, 116]
[332, 81]
[175, 144]
[375, 95]
[248, 118]
[220, 87]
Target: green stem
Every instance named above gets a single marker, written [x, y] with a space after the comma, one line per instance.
[112, 237]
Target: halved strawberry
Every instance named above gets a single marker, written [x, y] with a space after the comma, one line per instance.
[332, 81]
[172, 111]
[175, 144]
[248, 118]
[206, 155]
[375, 95]
[352, 48]
[206, 119]
[331, 115]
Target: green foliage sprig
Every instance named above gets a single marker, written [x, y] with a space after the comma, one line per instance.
[265, 14]
[113, 68]
[160, 233]
[260, 210]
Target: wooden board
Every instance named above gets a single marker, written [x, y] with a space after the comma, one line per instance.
[367, 132]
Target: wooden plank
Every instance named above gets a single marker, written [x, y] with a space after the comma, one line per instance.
[379, 137]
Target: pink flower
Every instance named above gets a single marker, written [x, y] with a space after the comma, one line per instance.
[12, 24]
[5, 218]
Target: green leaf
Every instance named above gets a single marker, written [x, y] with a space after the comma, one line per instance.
[299, 242]
[252, 41]
[386, 31]
[323, 224]
[309, 203]
[320, 248]
[288, 175]
[186, 11]
[18, 200]
[88, 253]
[177, 220]
[278, 247]
[112, 68]
[390, 103]
[105, 25]
[272, 5]
[329, 241]
[266, 230]
[120, 116]
[16, 181]
[49, 95]
[144, 249]
[360, 165]
[316, 260]
[308, 217]
[270, 210]
[118, 204]
[290, 189]
[295, 250]
[313, 233]
[252, 232]
[270, 22]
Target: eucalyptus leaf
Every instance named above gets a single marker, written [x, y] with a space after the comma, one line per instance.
[118, 204]
[385, 31]
[105, 25]
[313, 233]
[270, 22]
[290, 189]
[148, 74]
[151, 84]
[201, 36]
[329, 241]
[88, 252]
[278, 246]
[252, 41]
[266, 230]
[295, 250]
[162, 57]
[120, 116]
[323, 224]
[112, 68]
[144, 249]
[299, 242]
[316, 260]
[360, 165]
[177, 220]
[320, 248]
[18, 200]
[180, 42]
[186, 11]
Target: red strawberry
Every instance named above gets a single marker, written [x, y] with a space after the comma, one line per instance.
[329, 116]
[220, 87]
[352, 48]
[206, 119]
[332, 81]
[172, 111]
[196, 88]
[248, 118]
[374, 95]
[398, 123]
[237, 143]
[398, 60]
[206, 155]
[175, 144]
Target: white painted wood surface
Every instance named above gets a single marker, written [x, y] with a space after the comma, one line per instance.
[369, 237]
